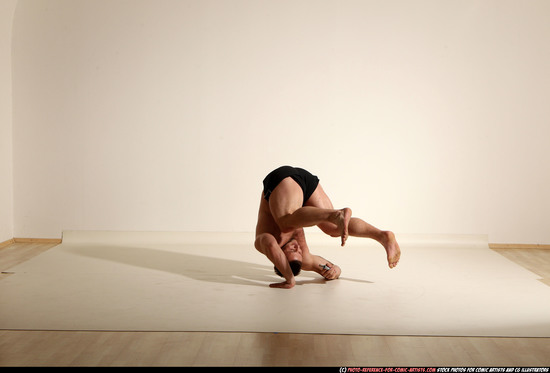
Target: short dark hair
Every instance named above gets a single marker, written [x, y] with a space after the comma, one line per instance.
[295, 266]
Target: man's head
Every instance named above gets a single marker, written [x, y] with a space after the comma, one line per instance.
[293, 253]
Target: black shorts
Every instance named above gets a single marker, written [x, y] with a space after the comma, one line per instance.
[305, 180]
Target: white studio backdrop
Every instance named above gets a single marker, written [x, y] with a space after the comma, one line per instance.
[424, 117]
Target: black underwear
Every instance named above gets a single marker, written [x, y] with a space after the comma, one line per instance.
[305, 180]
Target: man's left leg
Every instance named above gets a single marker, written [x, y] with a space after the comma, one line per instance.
[357, 227]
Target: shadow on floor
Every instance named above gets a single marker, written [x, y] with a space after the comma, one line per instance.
[197, 267]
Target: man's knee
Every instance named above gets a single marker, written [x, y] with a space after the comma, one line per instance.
[330, 229]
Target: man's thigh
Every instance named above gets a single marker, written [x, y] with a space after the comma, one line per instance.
[286, 198]
[319, 199]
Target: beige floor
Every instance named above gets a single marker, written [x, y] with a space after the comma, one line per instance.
[78, 348]
[215, 282]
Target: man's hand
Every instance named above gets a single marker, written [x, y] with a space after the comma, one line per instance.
[332, 273]
[284, 285]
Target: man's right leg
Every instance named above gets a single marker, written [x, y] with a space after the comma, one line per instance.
[286, 202]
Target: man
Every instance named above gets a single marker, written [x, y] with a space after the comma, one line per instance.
[292, 199]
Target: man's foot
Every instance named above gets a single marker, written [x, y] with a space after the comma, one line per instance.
[341, 219]
[392, 249]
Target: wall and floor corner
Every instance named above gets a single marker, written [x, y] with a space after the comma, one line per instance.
[7, 9]
[425, 117]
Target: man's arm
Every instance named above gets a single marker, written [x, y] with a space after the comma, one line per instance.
[316, 263]
[267, 245]
[324, 267]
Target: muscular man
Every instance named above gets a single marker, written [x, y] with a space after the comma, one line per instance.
[292, 199]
